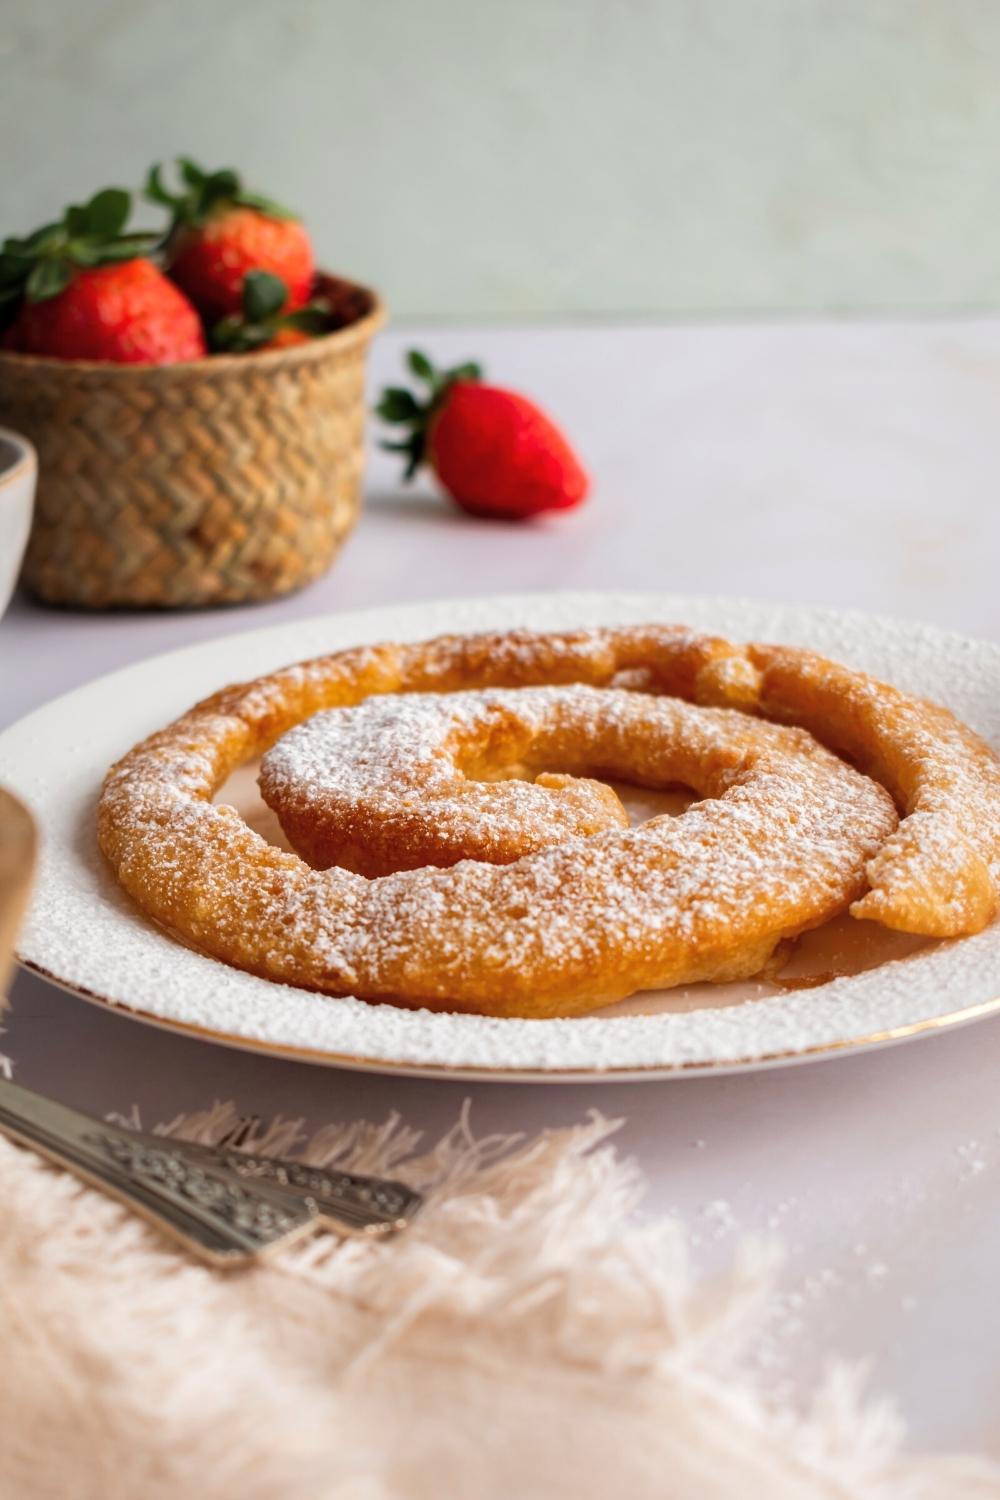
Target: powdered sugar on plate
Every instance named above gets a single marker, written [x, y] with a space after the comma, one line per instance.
[84, 932]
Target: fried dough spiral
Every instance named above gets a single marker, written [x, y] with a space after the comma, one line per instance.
[939, 874]
[787, 834]
[415, 779]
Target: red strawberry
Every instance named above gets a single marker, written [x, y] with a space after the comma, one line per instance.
[219, 232]
[128, 314]
[493, 450]
[262, 323]
[81, 289]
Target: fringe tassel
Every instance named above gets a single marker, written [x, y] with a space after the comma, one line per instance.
[526, 1264]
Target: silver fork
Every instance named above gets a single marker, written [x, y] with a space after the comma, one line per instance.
[227, 1205]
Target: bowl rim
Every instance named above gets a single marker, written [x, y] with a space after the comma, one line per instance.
[25, 461]
[339, 339]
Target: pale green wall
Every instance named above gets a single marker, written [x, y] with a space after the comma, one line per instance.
[513, 158]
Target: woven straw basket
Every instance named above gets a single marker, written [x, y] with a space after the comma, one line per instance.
[217, 482]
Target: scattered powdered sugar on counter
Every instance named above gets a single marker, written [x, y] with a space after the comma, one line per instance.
[970, 1153]
[720, 1216]
[84, 931]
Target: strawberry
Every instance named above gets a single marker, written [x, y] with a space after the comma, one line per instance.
[288, 338]
[263, 324]
[493, 450]
[83, 289]
[219, 232]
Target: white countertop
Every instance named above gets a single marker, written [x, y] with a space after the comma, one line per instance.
[849, 465]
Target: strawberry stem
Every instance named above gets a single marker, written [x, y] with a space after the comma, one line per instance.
[203, 193]
[399, 406]
[264, 296]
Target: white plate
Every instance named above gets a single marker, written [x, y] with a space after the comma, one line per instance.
[84, 933]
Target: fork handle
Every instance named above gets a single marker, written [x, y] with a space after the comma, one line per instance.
[349, 1202]
[220, 1215]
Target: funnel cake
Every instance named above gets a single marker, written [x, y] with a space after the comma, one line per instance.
[415, 779]
[781, 842]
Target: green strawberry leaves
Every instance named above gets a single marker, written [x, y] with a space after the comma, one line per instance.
[439, 380]
[314, 318]
[104, 217]
[420, 365]
[42, 264]
[398, 406]
[47, 278]
[202, 193]
[264, 296]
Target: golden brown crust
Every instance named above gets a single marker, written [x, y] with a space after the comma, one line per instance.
[413, 779]
[939, 874]
[782, 844]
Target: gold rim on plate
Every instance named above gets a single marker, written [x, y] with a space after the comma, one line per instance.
[355, 1063]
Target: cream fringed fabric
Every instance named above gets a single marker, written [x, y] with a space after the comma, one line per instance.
[524, 1341]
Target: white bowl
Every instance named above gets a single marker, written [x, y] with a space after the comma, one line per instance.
[18, 472]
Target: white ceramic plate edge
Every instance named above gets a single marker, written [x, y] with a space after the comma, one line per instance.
[470, 1047]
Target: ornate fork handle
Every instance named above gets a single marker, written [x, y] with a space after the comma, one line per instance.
[227, 1207]
[348, 1201]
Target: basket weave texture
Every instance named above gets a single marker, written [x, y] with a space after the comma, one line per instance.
[232, 479]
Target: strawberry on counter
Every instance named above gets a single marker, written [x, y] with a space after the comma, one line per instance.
[493, 450]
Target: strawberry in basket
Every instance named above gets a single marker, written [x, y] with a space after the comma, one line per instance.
[219, 232]
[82, 288]
[263, 321]
[493, 450]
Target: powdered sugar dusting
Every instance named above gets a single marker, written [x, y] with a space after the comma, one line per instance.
[85, 930]
[398, 771]
[393, 782]
[567, 926]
